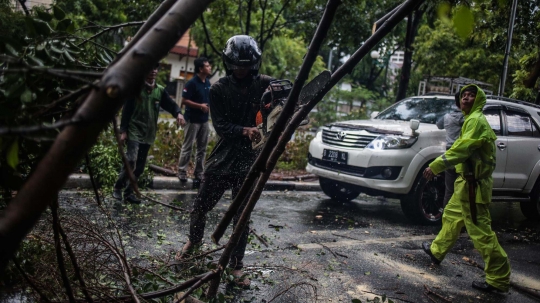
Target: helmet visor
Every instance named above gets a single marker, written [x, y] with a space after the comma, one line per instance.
[231, 66]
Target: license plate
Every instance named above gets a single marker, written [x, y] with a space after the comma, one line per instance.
[335, 156]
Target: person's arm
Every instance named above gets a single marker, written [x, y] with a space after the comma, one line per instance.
[224, 128]
[127, 112]
[192, 104]
[168, 104]
[440, 122]
[470, 140]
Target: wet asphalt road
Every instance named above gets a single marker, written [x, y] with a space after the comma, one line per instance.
[326, 251]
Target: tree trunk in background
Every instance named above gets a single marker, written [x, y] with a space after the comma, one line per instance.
[412, 30]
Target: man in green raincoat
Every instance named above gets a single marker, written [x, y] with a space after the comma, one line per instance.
[473, 155]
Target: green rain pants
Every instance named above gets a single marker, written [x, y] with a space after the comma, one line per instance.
[456, 214]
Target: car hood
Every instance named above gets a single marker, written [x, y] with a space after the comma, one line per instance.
[379, 126]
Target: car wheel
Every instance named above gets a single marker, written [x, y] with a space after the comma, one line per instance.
[531, 209]
[337, 190]
[424, 203]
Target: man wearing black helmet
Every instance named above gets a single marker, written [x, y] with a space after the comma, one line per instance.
[234, 102]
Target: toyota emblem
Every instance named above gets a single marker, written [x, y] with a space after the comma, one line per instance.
[341, 135]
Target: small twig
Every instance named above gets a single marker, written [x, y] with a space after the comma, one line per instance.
[275, 226]
[333, 253]
[54, 71]
[293, 286]
[429, 291]
[65, 98]
[251, 230]
[197, 256]
[430, 298]
[163, 203]
[24, 130]
[155, 274]
[29, 281]
[108, 28]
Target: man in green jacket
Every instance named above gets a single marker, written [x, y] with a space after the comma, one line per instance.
[139, 126]
[473, 155]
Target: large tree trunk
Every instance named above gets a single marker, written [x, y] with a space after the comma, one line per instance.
[121, 81]
[412, 30]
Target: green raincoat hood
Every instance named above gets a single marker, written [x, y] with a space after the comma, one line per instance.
[479, 101]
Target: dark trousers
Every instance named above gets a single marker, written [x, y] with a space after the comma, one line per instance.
[136, 155]
[212, 189]
[450, 177]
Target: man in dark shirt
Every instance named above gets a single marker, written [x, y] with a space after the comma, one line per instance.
[138, 126]
[234, 101]
[195, 98]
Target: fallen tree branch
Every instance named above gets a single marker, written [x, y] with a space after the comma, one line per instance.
[163, 203]
[370, 292]
[59, 255]
[25, 130]
[198, 284]
[74, 95]
[161, 170]
[94, 185]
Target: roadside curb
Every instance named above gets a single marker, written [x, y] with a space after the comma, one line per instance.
[83, 181]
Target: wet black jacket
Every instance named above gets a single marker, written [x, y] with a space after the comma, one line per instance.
[233, 107]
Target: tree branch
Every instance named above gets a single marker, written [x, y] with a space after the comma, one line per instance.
[264, 40]
[94, 185]
[25, 130]
[25, 9]
[121, 81]
[59, 255]
[108, 28]
[208, 40]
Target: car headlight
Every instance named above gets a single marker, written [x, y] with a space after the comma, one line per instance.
[319, 133]
[392, 142]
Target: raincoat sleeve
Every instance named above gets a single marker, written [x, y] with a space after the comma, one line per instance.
[224, 128]
[440, 122]
[471, 138]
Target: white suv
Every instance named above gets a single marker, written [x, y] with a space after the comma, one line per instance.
[386, 155]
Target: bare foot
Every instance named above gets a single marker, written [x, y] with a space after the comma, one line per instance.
[240, 279]
[188, 248]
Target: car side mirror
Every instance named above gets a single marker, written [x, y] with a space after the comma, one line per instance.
[414, 125]
[373, 114]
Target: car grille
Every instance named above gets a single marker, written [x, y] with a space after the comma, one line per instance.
[342, 168]
[351, 140]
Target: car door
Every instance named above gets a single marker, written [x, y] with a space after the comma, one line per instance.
[523, 147]
[493, 116]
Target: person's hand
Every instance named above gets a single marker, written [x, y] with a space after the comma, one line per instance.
[252, 133]
[180, 120]
[205, 108]
[123, 137]
[428, 174]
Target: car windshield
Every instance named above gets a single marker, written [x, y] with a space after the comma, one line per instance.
[425, 109]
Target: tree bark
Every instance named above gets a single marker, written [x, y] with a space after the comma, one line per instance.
[121, 81]
[412, 30]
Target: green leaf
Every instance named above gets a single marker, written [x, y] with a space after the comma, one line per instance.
[58, 13]
[463, 21]
[37, 61]
[367, 273]
[64, 25]
[27, 96]
[10, 49]
[13, 154]
[42, 27]
[44, 16]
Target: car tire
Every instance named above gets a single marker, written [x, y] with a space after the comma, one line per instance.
[424, 203]
[531, 209]
[338, 191]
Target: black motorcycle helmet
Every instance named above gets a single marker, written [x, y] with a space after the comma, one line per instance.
[241, 52]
